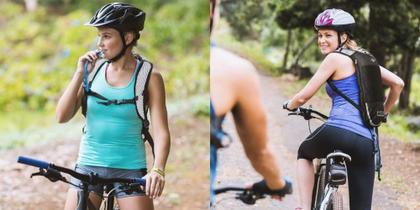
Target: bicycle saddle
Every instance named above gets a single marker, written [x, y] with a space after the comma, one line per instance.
[338, 154]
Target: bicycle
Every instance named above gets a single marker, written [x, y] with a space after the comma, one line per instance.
[330, 172]
[52, 173]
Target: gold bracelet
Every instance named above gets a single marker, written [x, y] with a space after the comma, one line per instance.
[159, 171]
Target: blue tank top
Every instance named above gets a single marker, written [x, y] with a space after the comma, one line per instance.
[343, 114]
[113, 133]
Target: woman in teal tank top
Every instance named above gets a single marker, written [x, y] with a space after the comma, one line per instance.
[112, 144]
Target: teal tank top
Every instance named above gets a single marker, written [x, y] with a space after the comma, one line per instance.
[112, 136]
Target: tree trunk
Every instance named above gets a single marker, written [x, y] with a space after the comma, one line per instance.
[406, 73]
[376, 44]
[286, 53]
[303, 49]
[377, 49]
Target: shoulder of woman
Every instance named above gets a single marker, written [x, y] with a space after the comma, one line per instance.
[231, 66]
[337, 59]
[156, 80]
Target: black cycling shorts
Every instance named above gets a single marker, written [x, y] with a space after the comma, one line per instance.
[361, 169]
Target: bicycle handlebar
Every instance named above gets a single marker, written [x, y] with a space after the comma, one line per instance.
[247, 196]
[227, 189]
[33, 162]
[307, 113]
[90, 179]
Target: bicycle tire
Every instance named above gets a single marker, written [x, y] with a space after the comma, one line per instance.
[336, 201]
[321, 183]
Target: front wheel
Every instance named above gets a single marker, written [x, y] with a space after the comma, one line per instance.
[336, 201]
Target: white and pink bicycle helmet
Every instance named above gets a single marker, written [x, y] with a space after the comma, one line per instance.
[335, 19]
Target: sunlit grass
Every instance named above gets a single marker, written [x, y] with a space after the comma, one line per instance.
[415, 90]
[25, 128]
[397, 127]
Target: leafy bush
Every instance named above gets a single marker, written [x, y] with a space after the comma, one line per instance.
[39, 49]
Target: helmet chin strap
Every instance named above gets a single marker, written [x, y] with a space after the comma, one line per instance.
[339, 40]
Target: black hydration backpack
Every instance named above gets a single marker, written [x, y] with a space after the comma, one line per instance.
[371, 91]
[140, 94]
[371, 95]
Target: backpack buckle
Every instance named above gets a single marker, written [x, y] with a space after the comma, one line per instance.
[382, 116]
[146, 123]
[118, 101]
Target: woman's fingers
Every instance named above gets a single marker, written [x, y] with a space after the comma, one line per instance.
[148, 185]
[156, 189]
[152, 186]
[162, 185]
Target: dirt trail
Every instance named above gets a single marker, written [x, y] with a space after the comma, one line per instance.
[186, 181]
[398, 190]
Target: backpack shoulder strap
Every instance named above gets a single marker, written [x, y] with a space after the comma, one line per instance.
[94, 72]
[335, 89]
[345, 51]
[87, 83]
[142, 81]
[140, 90]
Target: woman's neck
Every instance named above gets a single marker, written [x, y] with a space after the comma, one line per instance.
[126, 62]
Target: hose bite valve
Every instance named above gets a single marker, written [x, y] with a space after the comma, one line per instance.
[99, 53]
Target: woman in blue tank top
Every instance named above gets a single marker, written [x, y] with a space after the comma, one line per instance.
[344, 130]
[112, 144]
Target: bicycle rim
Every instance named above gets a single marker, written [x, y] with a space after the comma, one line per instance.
[336, 202]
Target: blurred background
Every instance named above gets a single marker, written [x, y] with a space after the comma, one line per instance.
[40, 42]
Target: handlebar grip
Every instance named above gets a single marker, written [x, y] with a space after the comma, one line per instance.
[140, 181]
[33, 162]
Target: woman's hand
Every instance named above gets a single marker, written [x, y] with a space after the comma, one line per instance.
[91, 57]
[155, 182]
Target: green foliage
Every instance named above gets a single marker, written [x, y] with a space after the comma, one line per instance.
[248, 49]
[34, 68]
[246, 17]
[40, 49]
[201, 107]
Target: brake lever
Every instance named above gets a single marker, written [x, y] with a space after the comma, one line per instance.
[130, 188]
[51, 174]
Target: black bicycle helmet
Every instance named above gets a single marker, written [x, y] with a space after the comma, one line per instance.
[123, 18]
[336, 19]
